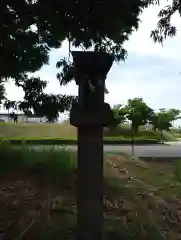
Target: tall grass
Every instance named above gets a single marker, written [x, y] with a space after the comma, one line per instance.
[177, 170]
[39, 161]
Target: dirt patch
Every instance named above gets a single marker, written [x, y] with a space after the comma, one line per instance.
[138, 204]
[28, 207]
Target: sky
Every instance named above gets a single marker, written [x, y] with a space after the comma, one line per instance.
[151, 71]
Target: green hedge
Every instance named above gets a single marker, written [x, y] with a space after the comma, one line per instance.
[108, 141]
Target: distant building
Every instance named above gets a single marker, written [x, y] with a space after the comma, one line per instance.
[35, 120]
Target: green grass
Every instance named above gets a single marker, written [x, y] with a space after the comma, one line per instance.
[136, 195]
[176, 133]
[151, 194]
[24, 130]
[64, 132]
[41, 161]
[59, 141]
[124, 130]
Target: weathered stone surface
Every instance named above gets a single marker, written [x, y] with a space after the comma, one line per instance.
[101, 116]
[95, 65]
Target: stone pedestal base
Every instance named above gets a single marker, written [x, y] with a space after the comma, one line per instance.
[90, 182]
[90, 122]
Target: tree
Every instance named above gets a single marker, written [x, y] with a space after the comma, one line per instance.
[50, 105]
[8, 104]
[33, 88]
[164, 27]
[25, 107]
[163, 119]
[138, 113]
[29, 31]
[119, 114]
[35, 100]
[13, 116]
[174, 114]
[2, 92]
[98, 32]
[24, 47]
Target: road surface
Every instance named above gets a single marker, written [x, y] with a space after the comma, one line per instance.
[171, 150]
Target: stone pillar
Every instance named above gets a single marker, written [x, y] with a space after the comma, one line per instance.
[90, 115]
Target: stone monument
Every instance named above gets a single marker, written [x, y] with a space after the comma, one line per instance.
[90, 115]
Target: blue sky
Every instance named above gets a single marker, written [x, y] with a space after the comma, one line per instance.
[150, 71]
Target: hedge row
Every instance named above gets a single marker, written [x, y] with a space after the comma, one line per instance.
[74, 142]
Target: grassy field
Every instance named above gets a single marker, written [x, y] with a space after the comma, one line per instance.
[176, 133]
[67, 132]
[37, 131]
[142, 200]
[151, 196]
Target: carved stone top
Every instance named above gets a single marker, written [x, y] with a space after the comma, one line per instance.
[94, 65]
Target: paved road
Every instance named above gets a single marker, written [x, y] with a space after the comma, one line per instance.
[172, 150]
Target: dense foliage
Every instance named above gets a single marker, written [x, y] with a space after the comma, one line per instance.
[38, 103]
[2, 91]
[30, 29]
[164, 27]
[163, 119]
[139, 113]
